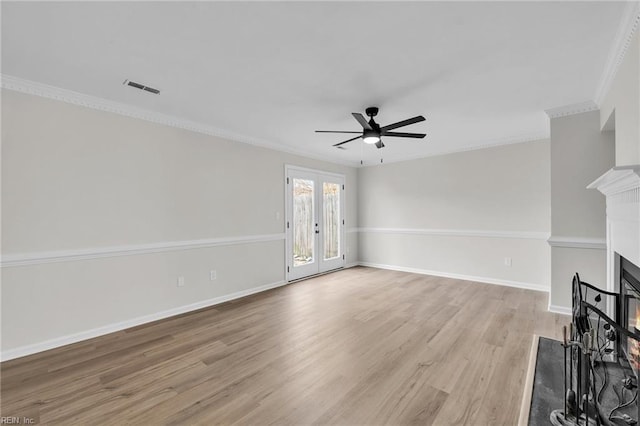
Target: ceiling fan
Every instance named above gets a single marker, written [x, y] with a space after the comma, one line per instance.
[372, 132]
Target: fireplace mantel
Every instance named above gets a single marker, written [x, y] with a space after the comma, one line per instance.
[621, 186]
[617, 180]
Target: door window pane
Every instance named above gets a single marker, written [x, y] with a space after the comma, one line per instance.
[331, 214]
[303, 225]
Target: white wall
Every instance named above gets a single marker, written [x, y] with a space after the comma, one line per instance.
[622, 102]
[580, 153]
[74, 179]
[461, 214]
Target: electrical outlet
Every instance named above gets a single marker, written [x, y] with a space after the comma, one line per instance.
[507, 261]
[213, 275]
[180, 281]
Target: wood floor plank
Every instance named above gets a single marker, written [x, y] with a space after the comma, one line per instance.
[359, 346]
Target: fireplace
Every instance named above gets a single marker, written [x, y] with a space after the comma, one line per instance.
[617, 352]
[630, 315]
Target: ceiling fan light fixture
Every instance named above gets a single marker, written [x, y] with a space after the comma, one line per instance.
[370, 137]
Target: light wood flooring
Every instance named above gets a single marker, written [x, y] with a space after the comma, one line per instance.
[359, 346]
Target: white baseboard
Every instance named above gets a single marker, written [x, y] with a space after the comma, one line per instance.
[111, 328]
[486, 280]
[559, 309]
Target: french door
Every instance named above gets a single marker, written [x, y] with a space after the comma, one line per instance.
[314, 222]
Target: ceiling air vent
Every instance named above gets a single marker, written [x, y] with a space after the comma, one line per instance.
[141, 86]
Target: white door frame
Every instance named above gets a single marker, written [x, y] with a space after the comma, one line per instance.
[322, 266]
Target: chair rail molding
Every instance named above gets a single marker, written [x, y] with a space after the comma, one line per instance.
[578, 242]
[525, 235]
[36, 258]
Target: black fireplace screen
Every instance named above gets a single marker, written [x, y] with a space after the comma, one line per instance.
[603, 354]
[630, 296]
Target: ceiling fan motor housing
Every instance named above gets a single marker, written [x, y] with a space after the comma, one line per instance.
[371, 111]
[373, 133]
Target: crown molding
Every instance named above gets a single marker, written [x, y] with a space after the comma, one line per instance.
[495, 144]
[92, 102]
[626, 30]
[18, 84]
[572, 109]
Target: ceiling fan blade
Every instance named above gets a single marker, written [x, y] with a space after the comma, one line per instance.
[348, 140]
[404, 135]
[335, 131]
[379, 144]
[402, 123]
[363, 121]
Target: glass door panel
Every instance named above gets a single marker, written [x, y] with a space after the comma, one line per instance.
[331, 232]
[331, 219]
[303, 222]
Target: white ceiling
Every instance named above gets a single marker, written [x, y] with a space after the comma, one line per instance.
[482, 73]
